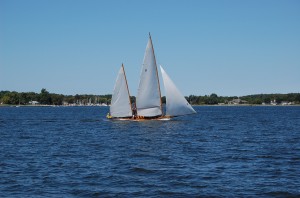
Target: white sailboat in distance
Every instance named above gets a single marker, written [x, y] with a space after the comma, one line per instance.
[148, 105]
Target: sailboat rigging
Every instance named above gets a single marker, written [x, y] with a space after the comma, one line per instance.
[148, 100]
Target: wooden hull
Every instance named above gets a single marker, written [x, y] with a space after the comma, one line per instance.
[139, 119]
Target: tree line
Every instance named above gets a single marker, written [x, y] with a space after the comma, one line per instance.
[46, 98]
[255, 99]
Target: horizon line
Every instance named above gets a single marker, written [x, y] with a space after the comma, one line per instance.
[162, 95]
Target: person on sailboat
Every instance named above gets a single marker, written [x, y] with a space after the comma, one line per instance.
[108, 115]
[134, 112]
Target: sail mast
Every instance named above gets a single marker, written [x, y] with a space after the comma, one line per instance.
[156, 74]
[127, 87]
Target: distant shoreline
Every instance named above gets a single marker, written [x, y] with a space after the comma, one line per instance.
[5, 105]
[205, 105]
[44, 97]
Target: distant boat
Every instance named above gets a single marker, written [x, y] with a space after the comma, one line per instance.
[148, 104]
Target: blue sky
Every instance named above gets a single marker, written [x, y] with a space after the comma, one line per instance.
[231, 48]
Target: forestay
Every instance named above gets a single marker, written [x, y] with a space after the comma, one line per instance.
[176, 104]
[120, 103]
[148, 101]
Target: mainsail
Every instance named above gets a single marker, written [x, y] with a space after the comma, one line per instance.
[176, 104]
[148, 100]
[120, 102]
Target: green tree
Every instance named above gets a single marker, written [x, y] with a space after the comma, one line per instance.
[212, 99]
[163, 99]
[6, 99]
[45, 97]
[57, 99]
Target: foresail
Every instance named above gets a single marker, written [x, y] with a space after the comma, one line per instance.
[148, 101]
[120, 103]
[176, 104]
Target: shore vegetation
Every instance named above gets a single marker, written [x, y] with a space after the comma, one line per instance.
[46, 98]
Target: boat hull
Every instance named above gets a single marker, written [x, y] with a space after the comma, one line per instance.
[140, 119]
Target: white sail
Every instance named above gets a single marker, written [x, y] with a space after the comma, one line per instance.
[120, 102]
[176, 104]
[148, 101]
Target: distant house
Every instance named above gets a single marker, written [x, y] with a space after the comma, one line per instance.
[286, 103]
[33, 102]
[273, 102]
[237, 101]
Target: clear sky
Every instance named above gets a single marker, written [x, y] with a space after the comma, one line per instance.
[231, 48]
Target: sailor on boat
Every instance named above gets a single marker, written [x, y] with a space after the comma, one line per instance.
[108, 116]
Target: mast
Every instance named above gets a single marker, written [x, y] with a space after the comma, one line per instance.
[156, 74]
[127, 87]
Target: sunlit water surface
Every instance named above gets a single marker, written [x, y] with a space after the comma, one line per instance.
[221, 151]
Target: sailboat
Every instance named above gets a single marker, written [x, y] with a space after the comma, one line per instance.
[148, 105]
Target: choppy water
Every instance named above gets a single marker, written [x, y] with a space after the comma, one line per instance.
[221, 151]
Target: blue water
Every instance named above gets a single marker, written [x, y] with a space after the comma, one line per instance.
[221, 151]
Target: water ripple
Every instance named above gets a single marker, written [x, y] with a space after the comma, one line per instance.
[220, 152]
